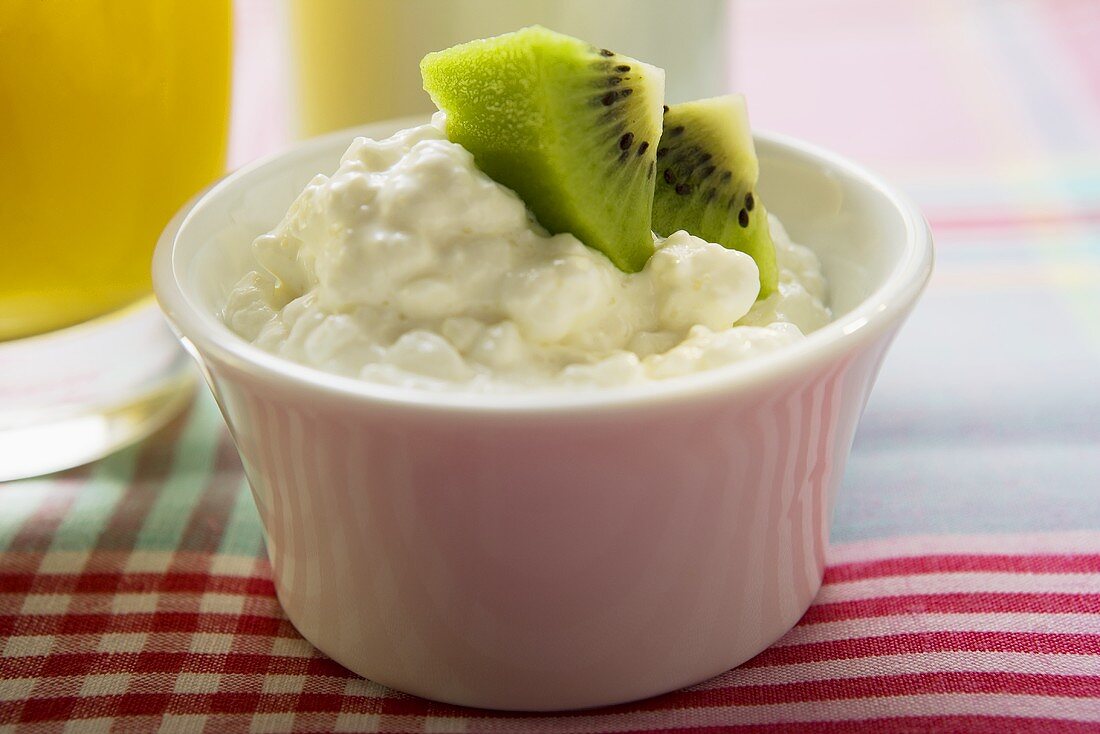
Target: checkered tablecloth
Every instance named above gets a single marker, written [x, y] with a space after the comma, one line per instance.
[963, 588]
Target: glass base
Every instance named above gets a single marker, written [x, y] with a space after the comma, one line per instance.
[76, 395]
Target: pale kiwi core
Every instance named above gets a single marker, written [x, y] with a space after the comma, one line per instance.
[410, 266]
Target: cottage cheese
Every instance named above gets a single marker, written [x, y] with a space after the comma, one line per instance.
[410, 266]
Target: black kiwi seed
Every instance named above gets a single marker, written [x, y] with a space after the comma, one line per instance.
[678, 130]
[608, 98]
[661, 153]
[614, 81]
[670, 177]
[626, 141]
[749, 201]
[743, 218]
[623, 156]
[666, 108]
[643, 147]
[707, 171]
[622, 68]
[683, 189]
[626, 92]
[726, 176]
[649, 173]
[605, 52]
[705, 157]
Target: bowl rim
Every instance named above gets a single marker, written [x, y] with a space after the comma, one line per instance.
[203, 333]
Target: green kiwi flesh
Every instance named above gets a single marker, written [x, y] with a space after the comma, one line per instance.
[570, 127]
[706, 181]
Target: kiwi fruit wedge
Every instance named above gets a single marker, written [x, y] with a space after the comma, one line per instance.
[706, 181]
[570, 127]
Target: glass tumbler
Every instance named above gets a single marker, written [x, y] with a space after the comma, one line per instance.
[112, 114]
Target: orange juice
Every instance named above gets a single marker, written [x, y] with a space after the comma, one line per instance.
[112, 114]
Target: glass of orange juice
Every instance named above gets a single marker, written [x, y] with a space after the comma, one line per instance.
[112, 114]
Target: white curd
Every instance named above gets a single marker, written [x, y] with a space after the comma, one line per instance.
[410, 266]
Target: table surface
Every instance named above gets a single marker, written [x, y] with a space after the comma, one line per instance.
[963, 589]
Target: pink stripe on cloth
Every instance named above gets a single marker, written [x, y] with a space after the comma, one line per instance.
[957, 563]
[958, 604]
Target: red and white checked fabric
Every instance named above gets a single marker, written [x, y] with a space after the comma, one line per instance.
[977, 633]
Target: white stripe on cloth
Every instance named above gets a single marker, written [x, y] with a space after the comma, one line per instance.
[918, 622]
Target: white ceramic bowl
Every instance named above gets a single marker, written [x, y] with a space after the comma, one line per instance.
[549, 551]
